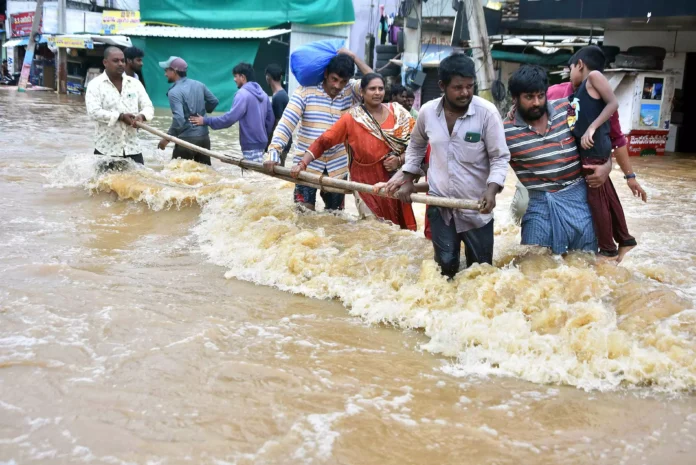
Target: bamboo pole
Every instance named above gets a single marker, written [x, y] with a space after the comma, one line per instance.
[309, 184]
[318, 181]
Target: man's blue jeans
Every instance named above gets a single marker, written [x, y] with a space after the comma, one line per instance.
[478, 243]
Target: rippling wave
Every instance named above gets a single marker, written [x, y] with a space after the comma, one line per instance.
[533, 316]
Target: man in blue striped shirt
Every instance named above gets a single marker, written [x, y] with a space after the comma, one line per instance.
[315, 109]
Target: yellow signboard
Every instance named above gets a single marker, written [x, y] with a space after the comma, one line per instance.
[72, 42]
[114, 22]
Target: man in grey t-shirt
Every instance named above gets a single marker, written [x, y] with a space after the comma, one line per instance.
[187, 98]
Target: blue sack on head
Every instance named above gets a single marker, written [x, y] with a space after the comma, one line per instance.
[309, 61]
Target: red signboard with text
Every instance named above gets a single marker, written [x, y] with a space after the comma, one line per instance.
[646, 143]
[21, 24]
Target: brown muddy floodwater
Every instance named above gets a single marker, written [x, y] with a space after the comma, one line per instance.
[179, 314]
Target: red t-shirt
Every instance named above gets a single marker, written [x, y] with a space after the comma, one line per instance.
[565, 89]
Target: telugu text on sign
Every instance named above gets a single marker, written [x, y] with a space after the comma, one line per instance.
[20, 24]
[114, 22]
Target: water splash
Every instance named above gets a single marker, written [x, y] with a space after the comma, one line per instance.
[533, 316]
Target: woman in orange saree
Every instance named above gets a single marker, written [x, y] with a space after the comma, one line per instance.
[376, 136]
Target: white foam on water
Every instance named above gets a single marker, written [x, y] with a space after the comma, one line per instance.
[539, 318]
[488, 430]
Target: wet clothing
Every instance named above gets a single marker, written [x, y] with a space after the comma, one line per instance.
[548, 162]
[556, 92]
[565, 90]
[252, 109]
[314, 112]
[607, 213]
[608, 216]
[332, 200]
[370, 143]
[279, 102]
[548, 165]
[560, 220]
[426, 228]
[584, 110]
[104, 106]
[188, 154]
[138, 158]
[461, 164]
[253, 155]
[188, 97]
[478, 243]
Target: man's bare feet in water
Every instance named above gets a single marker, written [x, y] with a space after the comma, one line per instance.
[622, 252]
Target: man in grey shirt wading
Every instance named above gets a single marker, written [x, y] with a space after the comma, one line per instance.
[468, 160]
[187, 98]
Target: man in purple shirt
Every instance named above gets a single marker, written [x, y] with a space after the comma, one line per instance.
[252, 109]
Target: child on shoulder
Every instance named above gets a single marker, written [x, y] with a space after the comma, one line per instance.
[592, 105]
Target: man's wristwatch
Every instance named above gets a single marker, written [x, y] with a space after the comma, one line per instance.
[630, 176]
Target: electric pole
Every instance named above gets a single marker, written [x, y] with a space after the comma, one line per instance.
[62, 52]
[29, 56]
[481, 49]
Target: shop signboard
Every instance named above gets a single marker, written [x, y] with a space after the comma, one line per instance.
[647, 143]
[71, 42]
[20, 24]
[114, 22]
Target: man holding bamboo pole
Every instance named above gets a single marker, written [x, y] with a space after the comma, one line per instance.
[116, 102]
[315, 109]
[469, 159]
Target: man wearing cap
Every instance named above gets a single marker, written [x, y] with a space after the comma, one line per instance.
[187, 98]
[251, 108]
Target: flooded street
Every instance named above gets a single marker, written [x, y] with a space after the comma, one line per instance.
[180, 314]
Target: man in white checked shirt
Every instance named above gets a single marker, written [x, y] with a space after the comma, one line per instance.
[116, 102]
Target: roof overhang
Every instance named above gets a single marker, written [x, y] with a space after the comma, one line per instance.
[203, 33]
[117, 40]
[660, 23]
[22, 41]
[120, 41]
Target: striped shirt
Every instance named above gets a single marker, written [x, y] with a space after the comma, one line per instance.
[544, 162]
[314, 111]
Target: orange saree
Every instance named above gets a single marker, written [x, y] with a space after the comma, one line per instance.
[368, 153]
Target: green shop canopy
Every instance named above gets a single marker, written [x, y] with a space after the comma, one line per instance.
[242, 14]
[209, 61]
[557, 59]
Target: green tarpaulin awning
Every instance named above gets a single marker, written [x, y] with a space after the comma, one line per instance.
[209, 61]
[242, 14]
[560, 59]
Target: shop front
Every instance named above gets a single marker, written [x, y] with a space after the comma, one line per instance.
[645, 108]
[85, 56]
[43, 66]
